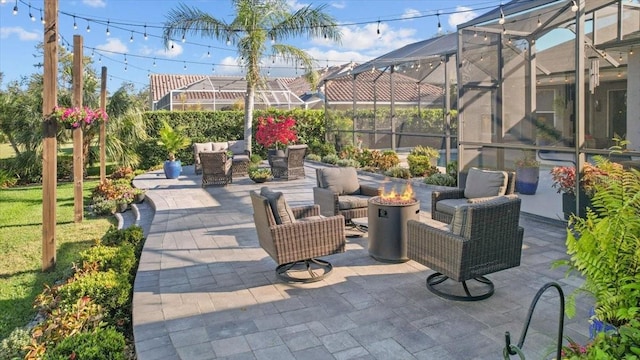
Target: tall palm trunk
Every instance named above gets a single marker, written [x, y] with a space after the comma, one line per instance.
[248, 115]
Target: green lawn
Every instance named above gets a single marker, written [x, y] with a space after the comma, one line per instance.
[21, 278]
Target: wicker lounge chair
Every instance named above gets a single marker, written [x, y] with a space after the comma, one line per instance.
[480, 184]
[338, 192]
[291, 165]
[296, 237]
[483, 238]
[216, 168]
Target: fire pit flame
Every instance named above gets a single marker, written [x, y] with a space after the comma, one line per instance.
[397, 198]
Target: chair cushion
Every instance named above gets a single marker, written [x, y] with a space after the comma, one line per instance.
[484, 183]
[241, 158]
[340, 180]
[201, 147]
[281, 210]
[449, 206]
[236, 147]
[219, 146]
[347, 202]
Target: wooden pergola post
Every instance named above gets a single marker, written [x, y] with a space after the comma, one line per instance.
[78, 163]
[103, 126]
[49, 129]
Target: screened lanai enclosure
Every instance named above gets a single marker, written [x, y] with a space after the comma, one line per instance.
[228, 92]
[559, 79]
[398, 100]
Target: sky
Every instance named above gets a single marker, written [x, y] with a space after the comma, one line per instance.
[370, 28]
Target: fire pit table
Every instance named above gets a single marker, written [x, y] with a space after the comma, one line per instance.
[388, 227]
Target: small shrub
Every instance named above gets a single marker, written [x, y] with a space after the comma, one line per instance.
[452, 168]
[14, 345]
[102, 343]
[348, 162]
[418, 164]
[106, 288]
[256, 159]
[387, 160]
[102, 206]
[151, 154]
[133, 235]
[398, 172]
[121, 259]
[122, 173]
[7, 179]
[367, 157]
[65, 168]
[330, 159]
[322, 148]
[440, 180]
[425, 151]
[349, 152]
[313, 157]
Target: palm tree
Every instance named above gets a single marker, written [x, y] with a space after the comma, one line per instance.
[255, 23]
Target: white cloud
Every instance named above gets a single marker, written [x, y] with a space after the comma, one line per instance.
[228, 66]
[22, 34]
[339, 5]
[365, 38]
[95, 3]
[114, 45]
[172, 51]
[295, 5]
[461, 16]
[410, 13]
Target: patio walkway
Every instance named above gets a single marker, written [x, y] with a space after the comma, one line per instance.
[206, 290]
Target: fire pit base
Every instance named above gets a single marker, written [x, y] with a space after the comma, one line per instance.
[388, 229]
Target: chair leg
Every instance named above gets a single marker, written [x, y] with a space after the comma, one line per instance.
[437, 278]
[318, 269]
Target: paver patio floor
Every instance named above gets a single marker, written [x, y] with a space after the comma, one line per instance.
[206, 290]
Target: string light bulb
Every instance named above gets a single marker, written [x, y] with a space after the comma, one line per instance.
[501, 21]
[439, 24]
[574, 7]
[42, 18]
[485, 36]
[378, 29]
[154, 62]
[33, 18]
[273, 40]
[15, 8]
[209, 52]
[184, 31]
[145, 32]
[183, 38]
[620, 58]
[75, 24]
[539, 22]
[88, 27]
[185, 66]
[108, 32]
[131, 38]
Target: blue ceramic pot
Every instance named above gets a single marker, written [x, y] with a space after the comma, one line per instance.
[172, 169]
[527, 180]
[596, 326]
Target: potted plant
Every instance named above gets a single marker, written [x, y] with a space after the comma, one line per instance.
[173, 141]
[138, 195]
[604, 248]
[122, 205]
[275, 133]
[259, 175]
[564, 180]
[75, 117]
[527, 173]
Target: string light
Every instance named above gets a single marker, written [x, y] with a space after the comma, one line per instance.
[630, 51]
[501, 21]
[209, 52]
[439, 24]
[75, 24]
[184, 31]
[185, 65]
[475, 33]
[145, 32]
[125, 58]
[15, 8]
[574, 7]
[273, 40]
[88, 27]
[213, 69]
[33, 18]
[504, 30]
[228, 41]
[108, 32]
[42, 18]
[485, 36]
[539, 22]
[131, 38]
[620, 58]
[378, 30]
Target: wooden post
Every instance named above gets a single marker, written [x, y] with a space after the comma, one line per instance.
[49, 129]
[103, 126]
[78, 162]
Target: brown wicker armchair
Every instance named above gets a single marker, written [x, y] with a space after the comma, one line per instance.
[483, 238]
[296, 237]
[291, 165]
[445, 202]
[216, 168]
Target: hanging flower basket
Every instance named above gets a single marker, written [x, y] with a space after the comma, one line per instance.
[75, 117]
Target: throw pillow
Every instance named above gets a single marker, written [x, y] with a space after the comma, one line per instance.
[236, 147]
[484, 183]
[281, 210]
[220, 146]
[340, 180]
[201, 147]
